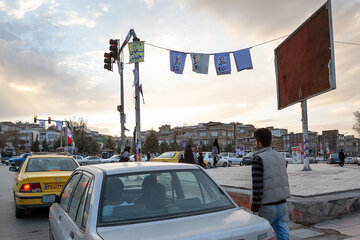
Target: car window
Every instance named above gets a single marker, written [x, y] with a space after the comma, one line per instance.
[43, 164]
[167, 155]
[77, 196]
[147, 196]
[68, 190]
[87, 205]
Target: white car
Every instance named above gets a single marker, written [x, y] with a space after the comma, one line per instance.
[232, 158]
[349, 160]
[132, 158]
[209, 161]
[93, 159]
[149, 200]
[114, 158]
[80, 159]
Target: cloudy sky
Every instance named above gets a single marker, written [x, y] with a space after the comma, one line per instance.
[51, 62]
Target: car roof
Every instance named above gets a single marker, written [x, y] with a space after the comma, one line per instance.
[50, 156]
[130, 167]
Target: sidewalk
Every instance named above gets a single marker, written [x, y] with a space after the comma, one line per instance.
[327, 189]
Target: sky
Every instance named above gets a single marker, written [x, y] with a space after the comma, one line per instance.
[51, 62]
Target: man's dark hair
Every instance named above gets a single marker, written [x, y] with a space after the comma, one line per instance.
[263, 135]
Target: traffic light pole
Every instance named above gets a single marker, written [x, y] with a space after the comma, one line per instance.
[121, 110]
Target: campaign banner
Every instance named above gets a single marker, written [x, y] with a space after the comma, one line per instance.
[296, 152]
[136, 52]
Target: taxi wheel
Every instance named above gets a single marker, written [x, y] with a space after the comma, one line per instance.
[208, 165]
[19, 212]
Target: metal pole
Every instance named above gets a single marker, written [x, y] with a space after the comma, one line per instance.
[122, 114]
[137, 107]
[304, 120]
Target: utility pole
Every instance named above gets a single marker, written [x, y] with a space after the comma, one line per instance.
[137, 106]
[304, 120]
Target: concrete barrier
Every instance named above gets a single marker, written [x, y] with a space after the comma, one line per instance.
[308, 210]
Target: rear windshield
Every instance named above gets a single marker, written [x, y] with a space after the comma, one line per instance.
[141, 197]
[334, 156]
[43, 164]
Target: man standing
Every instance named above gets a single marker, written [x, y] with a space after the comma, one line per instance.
[342, 157]
[270, 185]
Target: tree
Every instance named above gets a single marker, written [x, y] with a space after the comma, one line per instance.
[35, 146]
[229, 148]
[173, 146]
[45, 146]
[356, 125]
[151, 144]
[164, 147]
[110, 143]
[3, 139]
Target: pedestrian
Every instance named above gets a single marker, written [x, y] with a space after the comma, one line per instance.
[201, 160]
[188, 155]
[125, 155]
[148, 155]
[181, 159]
[342, 157]
[194, 150]
[270, 185]
[215, 151]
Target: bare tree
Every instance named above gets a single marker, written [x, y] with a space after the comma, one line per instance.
[356, 125]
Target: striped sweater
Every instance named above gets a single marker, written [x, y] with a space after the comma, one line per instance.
[257, 171]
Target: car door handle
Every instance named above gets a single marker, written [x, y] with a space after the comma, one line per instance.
[72, 235]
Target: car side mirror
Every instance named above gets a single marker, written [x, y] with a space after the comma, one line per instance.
[49, 198]
[13, 169]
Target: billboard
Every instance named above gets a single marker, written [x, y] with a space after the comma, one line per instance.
[304, 61]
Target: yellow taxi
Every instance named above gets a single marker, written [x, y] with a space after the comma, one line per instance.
[168, 157]
[37, 176]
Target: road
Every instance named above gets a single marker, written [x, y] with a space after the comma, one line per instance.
[34, 226]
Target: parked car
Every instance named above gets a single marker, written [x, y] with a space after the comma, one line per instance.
[223, 162]
[208, 159]
[349, 160]
[114, 158]
[149, 200]
[18, 160]
[93, 159]
[333, 158]
[81, 160]
[167, 157]
[247, 159]
[232, 158]
[143, 158]
[37, 176]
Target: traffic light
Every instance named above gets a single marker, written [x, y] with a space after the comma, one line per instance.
[108, 61]
[49, 120]
[35, 118]
[114, 44]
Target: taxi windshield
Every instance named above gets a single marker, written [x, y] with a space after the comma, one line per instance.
[43, 164]
[167, 155]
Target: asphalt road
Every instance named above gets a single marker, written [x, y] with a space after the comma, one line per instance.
[34, 226]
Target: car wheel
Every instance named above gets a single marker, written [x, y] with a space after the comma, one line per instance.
[51, 235]
[112, 161]
[208, 165]
[224, 164]
[230, 163]
[17, 163]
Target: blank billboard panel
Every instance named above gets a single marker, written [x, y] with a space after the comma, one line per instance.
[304, 62]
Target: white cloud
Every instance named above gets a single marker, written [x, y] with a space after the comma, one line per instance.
[149, 3]
[72, 18]
[104, 7]
[17, 9]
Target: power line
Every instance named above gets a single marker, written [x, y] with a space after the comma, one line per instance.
[357, 44]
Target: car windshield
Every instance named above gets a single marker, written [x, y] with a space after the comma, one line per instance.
[334, 156]
[115, 156]
[167, 155]
[141, 197]
[50, 164]
[224, 154]
[249, 154]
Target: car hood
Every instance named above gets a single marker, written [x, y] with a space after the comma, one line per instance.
[230, 224]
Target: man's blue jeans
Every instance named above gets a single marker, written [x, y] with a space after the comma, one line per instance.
[278, 217]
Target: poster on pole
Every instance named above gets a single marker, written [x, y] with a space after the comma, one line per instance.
[296, 152]
[136, 52]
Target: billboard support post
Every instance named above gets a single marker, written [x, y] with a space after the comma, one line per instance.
[304, 120]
